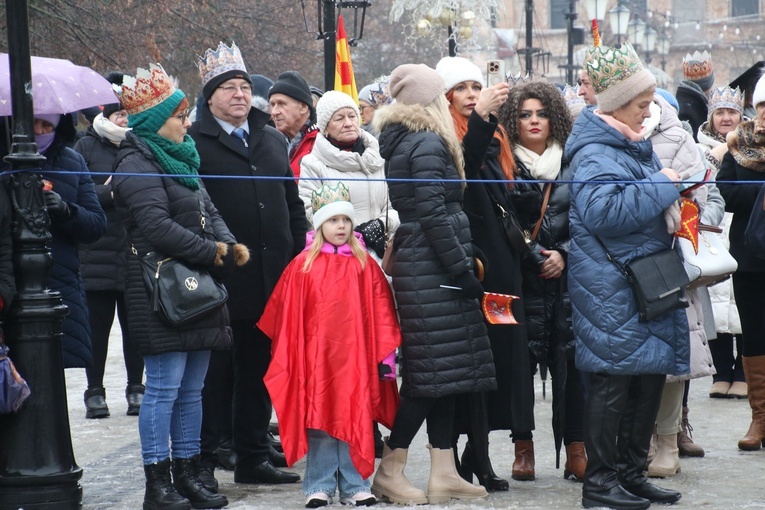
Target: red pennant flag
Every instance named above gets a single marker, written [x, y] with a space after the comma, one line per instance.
[689, 222]
[344, 79]
[498, 308]
[595, 33]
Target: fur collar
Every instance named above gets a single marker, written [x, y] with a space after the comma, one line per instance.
[747, 145]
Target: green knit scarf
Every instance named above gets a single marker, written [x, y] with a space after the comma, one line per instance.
[176, 158]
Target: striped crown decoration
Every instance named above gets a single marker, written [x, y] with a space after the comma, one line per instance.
[726, 97]
[147, 89]
[518, 79]
[607, 66]
[327, 195]
[697, 66]
[219, 61]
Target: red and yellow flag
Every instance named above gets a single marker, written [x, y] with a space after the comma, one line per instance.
[689, 223]
[344, 79]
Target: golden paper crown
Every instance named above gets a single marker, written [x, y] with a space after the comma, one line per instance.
[222, 60]
[697, 66]
[726, 97]
[571, 96]
[327, 195]
[147, 89]
[607, 66]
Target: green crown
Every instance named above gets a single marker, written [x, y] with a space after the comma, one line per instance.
[606, 66]
[327, 195]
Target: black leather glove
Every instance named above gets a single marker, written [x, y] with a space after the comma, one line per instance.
[56, 205]
[373, 233]
[471, 287]
[226, 269]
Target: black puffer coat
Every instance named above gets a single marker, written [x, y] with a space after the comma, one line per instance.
[103, 262]
[548, 308]
[445, 347]
[511, 407]
[161, 214]
[693, 105]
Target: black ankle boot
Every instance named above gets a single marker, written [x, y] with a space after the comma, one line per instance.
[486, 476]
[134, 395]
[160, 493]
[187, 483]
[95, 403]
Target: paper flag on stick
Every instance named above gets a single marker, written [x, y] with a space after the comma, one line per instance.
[689, 223]
[595, 33]
[498, 308]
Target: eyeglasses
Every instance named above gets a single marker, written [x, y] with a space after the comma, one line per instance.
[183, 116]
[230, 89]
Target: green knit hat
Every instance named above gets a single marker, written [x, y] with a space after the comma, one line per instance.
[152, 119]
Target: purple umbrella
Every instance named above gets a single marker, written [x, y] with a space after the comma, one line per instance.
[58, 86]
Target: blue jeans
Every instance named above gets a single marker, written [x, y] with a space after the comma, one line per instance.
[328, 465]
[171, 412]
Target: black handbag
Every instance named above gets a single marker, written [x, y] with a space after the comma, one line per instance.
[518, 237]
[181, 294]
[658, 282]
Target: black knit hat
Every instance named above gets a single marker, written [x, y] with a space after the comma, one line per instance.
[291, 84]
[115, 78]
[217, 81]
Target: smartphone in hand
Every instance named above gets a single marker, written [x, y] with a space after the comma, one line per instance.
[495, 72]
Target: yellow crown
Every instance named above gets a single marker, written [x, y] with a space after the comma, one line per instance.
[147, 89]
[697, 66]
[327, 195]
[217, 62]
[607, 66]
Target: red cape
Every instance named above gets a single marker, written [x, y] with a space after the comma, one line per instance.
[330, 328]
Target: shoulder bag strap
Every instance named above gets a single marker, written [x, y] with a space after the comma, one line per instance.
[535, 232]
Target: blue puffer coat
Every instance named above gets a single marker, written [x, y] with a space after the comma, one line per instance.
[629, 220]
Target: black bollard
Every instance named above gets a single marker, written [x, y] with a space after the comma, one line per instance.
[37, 466]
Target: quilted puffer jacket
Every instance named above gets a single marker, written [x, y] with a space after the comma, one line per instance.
[445, 346]
[628, 219]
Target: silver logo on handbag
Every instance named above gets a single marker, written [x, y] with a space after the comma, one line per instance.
[191, 283]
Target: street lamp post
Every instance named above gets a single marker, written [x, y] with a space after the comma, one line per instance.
[649, 43]
[37, 466]
[596, 9]
[662, 46]
[636, 31]
[619, 18]
[328, 11]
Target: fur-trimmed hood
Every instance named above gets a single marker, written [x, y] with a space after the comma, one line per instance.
[413, 118]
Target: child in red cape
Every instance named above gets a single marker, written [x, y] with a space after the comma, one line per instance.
[332, 320]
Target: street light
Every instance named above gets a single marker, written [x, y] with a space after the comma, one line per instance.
[596, 9]
[662, 46]
[649, 43]
[328, 12]
[619, 17]
[636, 31]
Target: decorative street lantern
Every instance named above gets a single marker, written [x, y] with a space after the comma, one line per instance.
[619, 17]
[596, 9]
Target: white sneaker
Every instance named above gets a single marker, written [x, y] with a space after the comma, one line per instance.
[359, 499]
[317, 500]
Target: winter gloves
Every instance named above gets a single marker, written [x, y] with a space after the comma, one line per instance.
[373, 233]
[57, 208]
[228, 258]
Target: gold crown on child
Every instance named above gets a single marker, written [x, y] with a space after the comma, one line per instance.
[147, 89]
[607, 66]
[726, 97]
[697, 66]
[217, 62]
[327, 195]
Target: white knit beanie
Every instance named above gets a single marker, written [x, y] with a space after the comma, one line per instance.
[455, 70]
[329, 103]
[759, 92]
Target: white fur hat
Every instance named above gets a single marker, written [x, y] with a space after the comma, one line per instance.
[329, 103]
[759, 92]
[329, 201]
[455, 70]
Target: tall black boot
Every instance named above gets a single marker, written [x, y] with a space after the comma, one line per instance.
[475, 458]
[606, 403]
[634, 439]
[186, 480]
[160, 493]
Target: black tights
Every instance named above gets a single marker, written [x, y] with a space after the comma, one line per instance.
[412, 412]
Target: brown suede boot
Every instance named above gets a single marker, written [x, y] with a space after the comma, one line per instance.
[685, 439]
[576, 461]
[523, 466]
[754, 368]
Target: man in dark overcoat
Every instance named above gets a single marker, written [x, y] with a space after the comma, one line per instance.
[268, 216]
